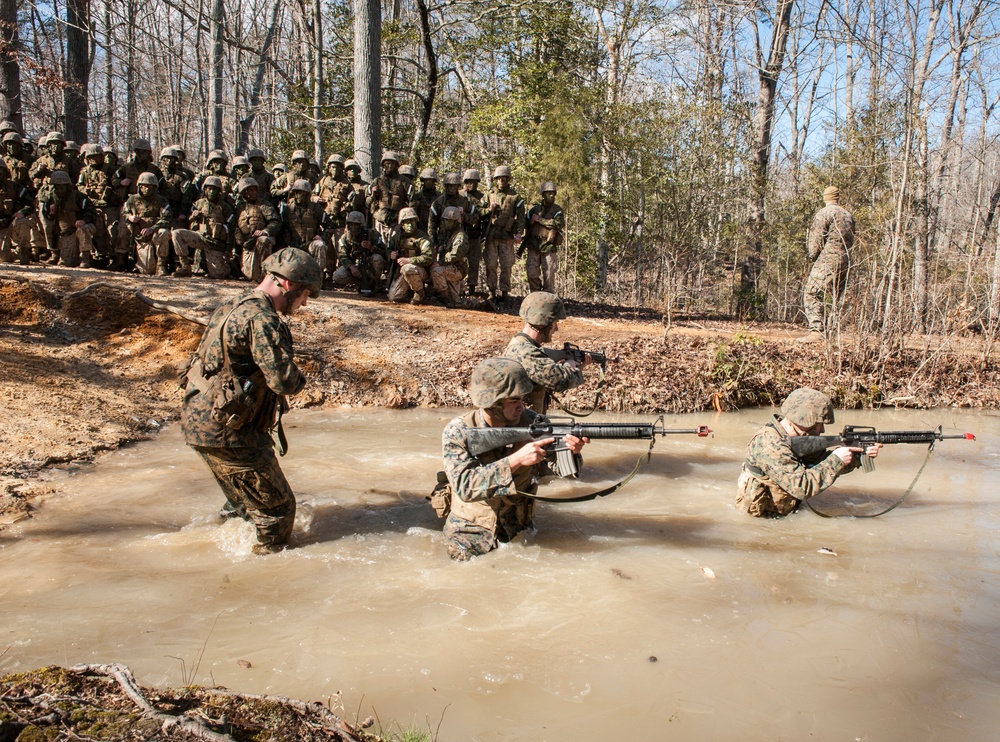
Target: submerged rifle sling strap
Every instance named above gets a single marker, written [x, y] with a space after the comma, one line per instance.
[607, 490]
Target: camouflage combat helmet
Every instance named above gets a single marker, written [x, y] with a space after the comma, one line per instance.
[452, 179]
[60, 177]
[472, 175]
[302, 185]
[408, 170]
[298, 266]
[390, 156]
[407, 214]
[12, 136]
[55, 136]
[72, 146]
[149, 179]
[212, 181]
[356, 217]
[452, 213]
[142, 145]
[246, 183]
[300, 154]
[279, 167]
[351, 164]
[217, 154]
[541, 309]
[91, 150]
[497, 379]
[502, 171]
[547, 187]
[428, 173]
[241, 161]
[807, 407]
[256, 153]
[335, 160]
[169, 151]
[7, 125]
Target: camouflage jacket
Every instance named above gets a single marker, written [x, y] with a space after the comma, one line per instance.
[415, 246]
[259, 346]
[14, 199]
[265, 180]
[452, 249]
[484, 489]
[470, 214]
[215, 221]
[773, 481]
[386, 196]
[421, 202]
[505, 213]
[333, 193]
[474, 225]
[179, 191]
[20, 169]
[832, 233]
[66, 213]
[46, 164]
[153, 213]
[545, 235]
[302, 224]
[253, 217]
[100, 185]
[547, 375]
[131, 171]
[351, 252]
[282, 185]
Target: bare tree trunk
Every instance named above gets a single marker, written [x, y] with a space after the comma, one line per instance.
[109, 72]
[367, 85]
[430, 82]
[76, 106]
[317, 103]
[246, 124]
[216, 29]
[131, 104]
[748, 300]
[10, 70]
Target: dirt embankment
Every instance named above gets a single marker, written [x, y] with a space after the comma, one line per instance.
[87, 367]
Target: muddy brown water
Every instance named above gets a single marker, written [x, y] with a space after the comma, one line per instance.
[658, 612]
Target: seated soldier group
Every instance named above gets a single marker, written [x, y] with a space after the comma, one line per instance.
[78, 206]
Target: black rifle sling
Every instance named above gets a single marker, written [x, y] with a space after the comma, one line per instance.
[607, 490]
[897, 503]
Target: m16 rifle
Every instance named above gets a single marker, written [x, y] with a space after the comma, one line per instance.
[862, 436]
[481, 440]
[571, 352]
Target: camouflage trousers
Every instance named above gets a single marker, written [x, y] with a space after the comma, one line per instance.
[467, 540]
[500, 256]
[147, 253]
[342, 277]
[79, 244]
[20, 241]
[541, 268]
[410, 282]
[447, 280]
[187, 242]
[474, 256]
[255, 489]
[825, 284]
[255, 251]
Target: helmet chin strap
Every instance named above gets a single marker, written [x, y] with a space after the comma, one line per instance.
[290, 295]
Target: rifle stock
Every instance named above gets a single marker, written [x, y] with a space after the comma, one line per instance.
[572, 352]
[481, 440]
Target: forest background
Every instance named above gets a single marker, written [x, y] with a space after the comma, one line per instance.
[691, 140]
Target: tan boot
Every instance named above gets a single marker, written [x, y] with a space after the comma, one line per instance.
[185, 270]
[161, 267]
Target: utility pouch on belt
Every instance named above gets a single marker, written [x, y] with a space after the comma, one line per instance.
[440, 497]
[235, 399]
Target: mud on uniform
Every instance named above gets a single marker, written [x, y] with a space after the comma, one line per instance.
[307, 227]
[414, 274]
[259, 348]
[773, 481]
[100, 185]
[153, 213]
[250, 218]
[351, 253]
[451, 266]
[212, 226]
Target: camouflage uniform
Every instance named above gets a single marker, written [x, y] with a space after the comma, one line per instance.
[469, 213]
[253, 217]
[486, 508]
[830, 240]
[140, 213]
[98, 183]
[131, 171]
[307, 227]
[541, 240]
[16, 206]
[370, 261]
[421, 202]
[333, 192]
[474, 227]
[413, 275]
[547, 375]
[773, 481]
[386, 196]
[450, 267]
[71, 244]
[212, 228]
[259, 348]
[506, 220]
